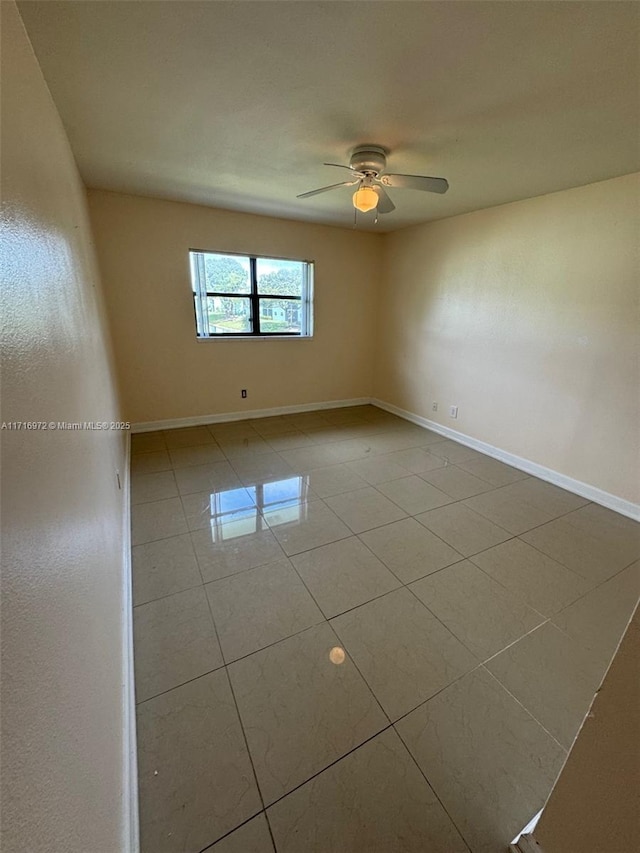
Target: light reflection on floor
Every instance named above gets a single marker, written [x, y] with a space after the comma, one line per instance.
[240, 512]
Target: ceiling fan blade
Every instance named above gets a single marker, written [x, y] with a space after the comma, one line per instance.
[385, 205]
[326, 189]
[416, 182]
[340, 166]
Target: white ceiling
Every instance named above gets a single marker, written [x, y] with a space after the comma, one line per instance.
[237, 104]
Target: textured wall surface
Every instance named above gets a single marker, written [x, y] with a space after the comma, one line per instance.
[64, 763]
[164, 372]
[524, 316]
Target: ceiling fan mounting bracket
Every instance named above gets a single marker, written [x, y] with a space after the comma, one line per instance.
[370, 159]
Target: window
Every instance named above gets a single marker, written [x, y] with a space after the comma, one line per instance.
[243, 295]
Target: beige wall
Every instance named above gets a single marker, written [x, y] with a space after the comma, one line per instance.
[63, 666]
[166, 373]
[526, 317]
[595, 804]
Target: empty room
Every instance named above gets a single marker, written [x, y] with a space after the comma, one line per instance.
[320, 426]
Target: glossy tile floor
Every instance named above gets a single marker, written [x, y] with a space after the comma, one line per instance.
[353, 635]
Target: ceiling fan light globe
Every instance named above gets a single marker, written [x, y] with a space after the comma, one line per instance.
[365, 199]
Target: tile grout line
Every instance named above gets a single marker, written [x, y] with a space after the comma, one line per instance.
[564, 749]
[458, 467]
[403, 583]
[282, 640]
[266, 807]
[168, 594]
[564, 515]
[327, 620]
[329, 766]
[529, 529]
[438, 692]
[480, 666]
[481, 662]
[226, 663]
[589, 591]
[518, 539]
[239, 717]
[178, 686]
[339, 638]
[435, 616]
[231, 831]
[546, 621]
[446, 463]
[432, 788]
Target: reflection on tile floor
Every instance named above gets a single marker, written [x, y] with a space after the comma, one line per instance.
[353, 634]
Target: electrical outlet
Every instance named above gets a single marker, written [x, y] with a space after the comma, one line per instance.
[243, 393]
[453, 411]
[434, 406]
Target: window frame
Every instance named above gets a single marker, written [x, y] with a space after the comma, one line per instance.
[254, 297]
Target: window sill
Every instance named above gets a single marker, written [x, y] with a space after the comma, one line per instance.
[255, 338]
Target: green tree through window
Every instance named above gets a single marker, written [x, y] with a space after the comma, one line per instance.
[285, 282]
[226, 274]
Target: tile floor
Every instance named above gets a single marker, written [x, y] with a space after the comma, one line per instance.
[354, 635]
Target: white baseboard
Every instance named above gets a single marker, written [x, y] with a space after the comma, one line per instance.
[592, 493]
[198, 420]
[131, 839]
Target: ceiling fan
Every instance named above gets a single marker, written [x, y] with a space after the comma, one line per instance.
[367, 166]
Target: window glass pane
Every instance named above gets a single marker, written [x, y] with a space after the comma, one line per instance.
[282, 493]
[280, 315]
[227, 273]
[280, 278]
[229, 314]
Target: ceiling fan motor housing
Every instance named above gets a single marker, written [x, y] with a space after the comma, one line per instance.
[368, 158]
